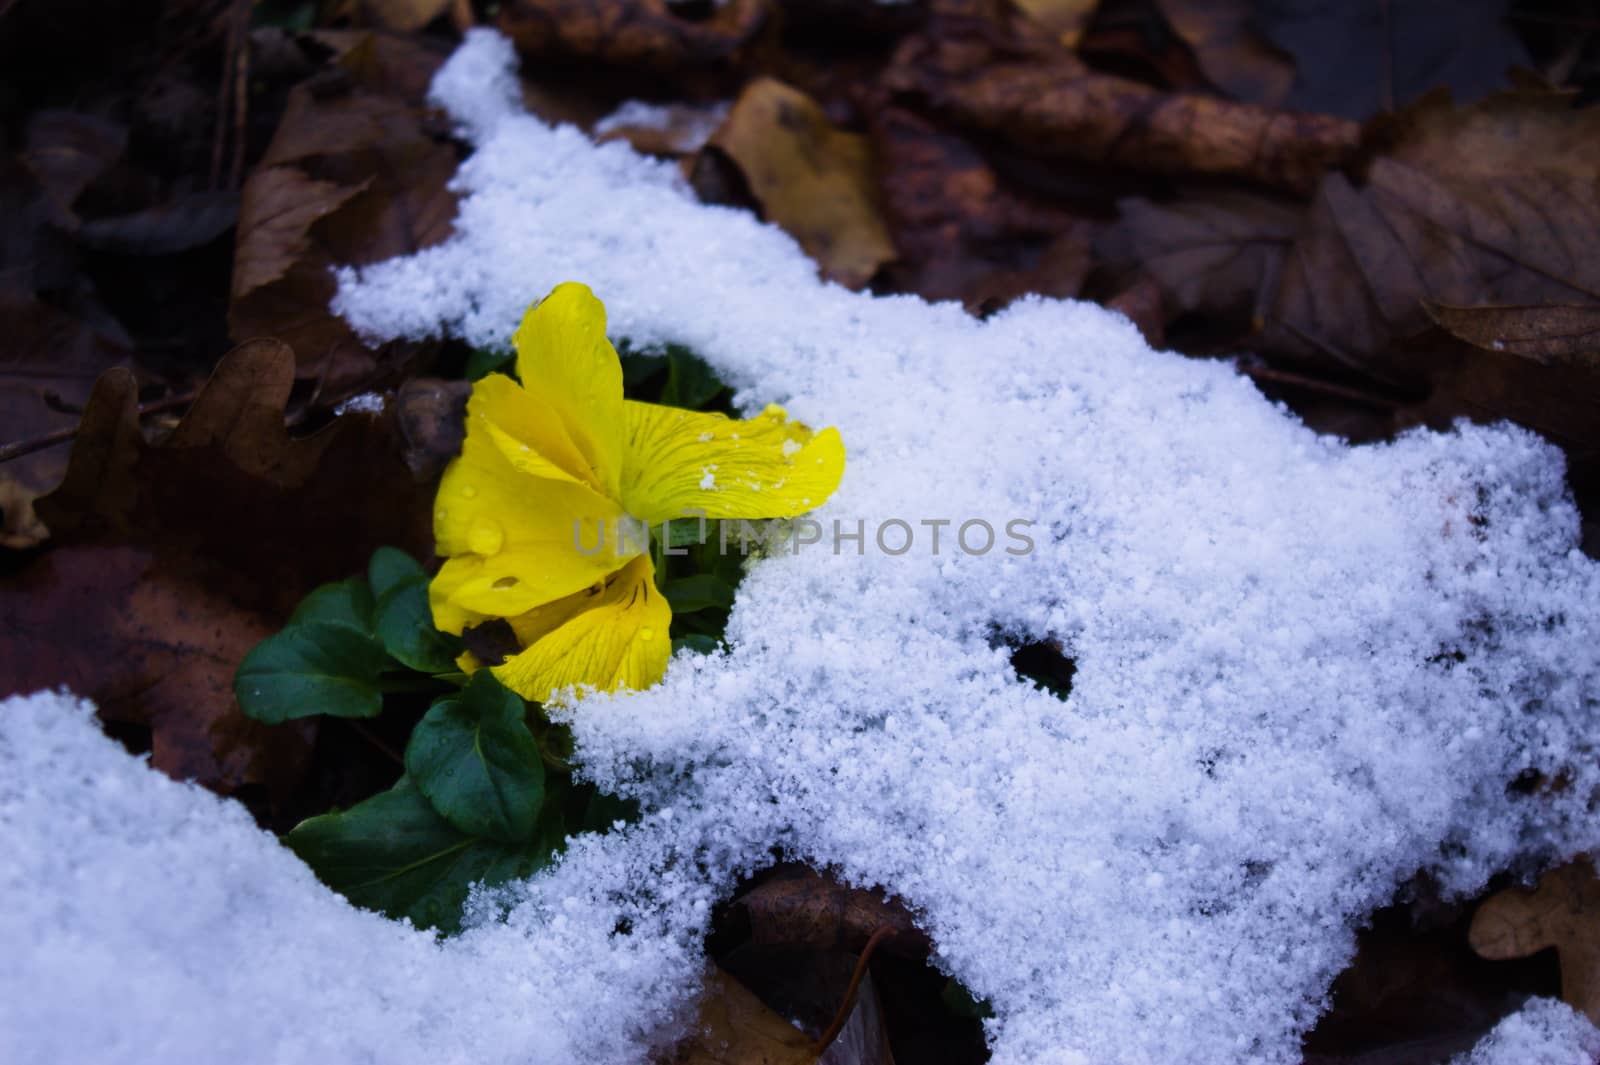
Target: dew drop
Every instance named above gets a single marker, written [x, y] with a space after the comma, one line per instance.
[647, 633]
[486, 537]
[439, 515]
[468, 491]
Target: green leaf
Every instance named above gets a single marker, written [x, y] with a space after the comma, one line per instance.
[698, 643]
[348, 602]
[393, 853]
[959, 1001]
[691, 382]
[390, 566]
[684, 531]
[474, 758]
[404, 623]
[321, 667]
[699, 592]
[484, 361]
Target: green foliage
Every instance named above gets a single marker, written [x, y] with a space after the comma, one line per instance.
[347, 602]
[403, 623]
[389, 567]
[394, 853]
[344, 644]
[701, 591]
[317, 667]
[485, 361]
[477, 763]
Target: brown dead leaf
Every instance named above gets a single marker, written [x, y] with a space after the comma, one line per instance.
[351, 177]
[809, 177]
[798, 908]
[1064, 20]
[630, 33]
[961, 232]
[1047, 102]
[154, 649]
[1492, 204]
[67, 150]
[1219, 252]
[403, 16]
[1234, 56]
[1550, 333]
[734, 1027]
[432, 415]
[172, 559]
[1564, 913]
[267, 516]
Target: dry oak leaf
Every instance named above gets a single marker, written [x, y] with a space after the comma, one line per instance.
[266, 516]
[1232, 54]
[352, 176]
[1492, 204]
[1549, 333]
[812, 179]
[1564, 913]
[636, 33]
[1047, 102]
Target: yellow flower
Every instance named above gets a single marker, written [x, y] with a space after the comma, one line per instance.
[550, 463]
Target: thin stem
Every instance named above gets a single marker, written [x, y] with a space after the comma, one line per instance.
[60, 436]
[842, 1016]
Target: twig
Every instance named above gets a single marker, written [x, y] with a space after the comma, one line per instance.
[241, 91]
[1315, 384]
[372, 738]
[60, 436]
[842, 1016]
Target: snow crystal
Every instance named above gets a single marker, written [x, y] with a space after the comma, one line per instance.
[691, 126]
[365, 403]
[145, 920]
[1306, 672]
[1543, 1032]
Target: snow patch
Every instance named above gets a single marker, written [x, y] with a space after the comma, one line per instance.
[1543, 1032]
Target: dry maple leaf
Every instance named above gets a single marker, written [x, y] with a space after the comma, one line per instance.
[1564, 913]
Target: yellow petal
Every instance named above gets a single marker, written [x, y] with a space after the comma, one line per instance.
[566, 362]
[527, 431]
[678, 462]
[513, 540]
[611, 636]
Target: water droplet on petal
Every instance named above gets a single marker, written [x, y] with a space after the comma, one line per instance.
[468, 490]
[439, 515]
[647, 633]
[486, 537]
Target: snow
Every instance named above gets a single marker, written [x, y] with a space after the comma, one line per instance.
[1306, 672]
[1543, 1032]
[365, 403]
[146, 920]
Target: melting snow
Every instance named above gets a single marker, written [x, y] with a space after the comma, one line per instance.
[1305, 672]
